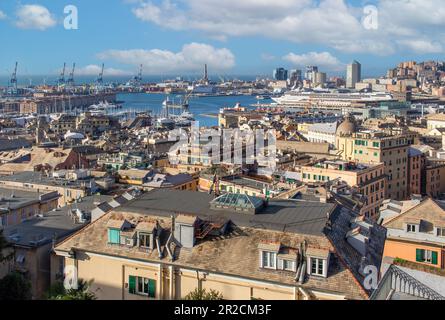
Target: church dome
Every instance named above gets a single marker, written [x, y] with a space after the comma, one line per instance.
[347, 127]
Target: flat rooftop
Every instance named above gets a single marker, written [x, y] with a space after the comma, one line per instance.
[343, 165]
[294, 216]
[11, 199]
[40, 231]
[32, 177]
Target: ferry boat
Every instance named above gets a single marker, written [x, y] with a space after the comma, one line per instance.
[330, 98]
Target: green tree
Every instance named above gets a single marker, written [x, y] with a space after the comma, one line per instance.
[3, 245]
[202, 294]
[58, 292]
[15, 287]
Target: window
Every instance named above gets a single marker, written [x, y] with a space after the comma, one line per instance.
[114, 236]
[144, 240]
[142, 286]
[269, 259]
[411, 228]
[288, 265]
[440, 232]
[317, 266]
[426, 256]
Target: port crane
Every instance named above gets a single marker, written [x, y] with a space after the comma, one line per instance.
[13, 81]
[61, 80]
[100, 80]
[70, 81]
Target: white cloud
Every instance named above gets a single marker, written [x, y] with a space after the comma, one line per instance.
[191, 58]
[2, 15]
[335, 23]
[33, 16]
[94, 70]
[422, 46]
[321, 59]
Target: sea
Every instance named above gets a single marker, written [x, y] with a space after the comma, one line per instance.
[204, 109]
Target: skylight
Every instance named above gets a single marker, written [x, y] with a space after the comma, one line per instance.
[237, 202]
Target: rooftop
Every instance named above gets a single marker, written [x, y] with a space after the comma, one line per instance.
[279, 215]
[12, 199]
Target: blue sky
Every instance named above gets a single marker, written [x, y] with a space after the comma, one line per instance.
[176, 37]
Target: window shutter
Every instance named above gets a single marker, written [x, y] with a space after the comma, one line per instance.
[419, 255]
[434, 256]
[132, 284]
[151, 288]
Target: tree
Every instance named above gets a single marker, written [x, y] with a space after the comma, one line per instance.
[3, 245]
[15, 287]
[202, 294]
[58, 292]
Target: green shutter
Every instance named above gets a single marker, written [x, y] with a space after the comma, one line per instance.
[434, 255]
[419, 255]
[151, 288]
[132, 284]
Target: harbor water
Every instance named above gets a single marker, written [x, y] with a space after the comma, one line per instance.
[201, 107]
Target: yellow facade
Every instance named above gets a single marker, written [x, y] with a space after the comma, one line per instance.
[110, 277]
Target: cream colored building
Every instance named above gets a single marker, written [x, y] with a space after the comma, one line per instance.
[144, 250]
[369, 179]
[378, 147]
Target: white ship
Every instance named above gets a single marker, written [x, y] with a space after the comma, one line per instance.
[327, 98]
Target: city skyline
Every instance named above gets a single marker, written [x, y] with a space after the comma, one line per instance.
[177, 38]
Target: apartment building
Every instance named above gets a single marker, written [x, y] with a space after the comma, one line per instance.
[380, 147]
[418, 235]
[67, 190]
[434, 178]
[17, 206]
[33, 241]
[416, 167]
[368, 179]
[166, 243]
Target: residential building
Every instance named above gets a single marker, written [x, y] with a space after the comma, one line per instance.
[17, 206]
[165, 244]
[180, 181]
[418, 234]
[369, 179]
[49, 159]
[68, 190]
[416, 167]
[379, 147]
[34, 239]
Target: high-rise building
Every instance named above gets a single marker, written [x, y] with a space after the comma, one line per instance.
[319, 77]
[310, 71]
[353, 74]
[295, 75]
[280, 74]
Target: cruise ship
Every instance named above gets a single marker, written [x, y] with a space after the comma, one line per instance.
[328, 98]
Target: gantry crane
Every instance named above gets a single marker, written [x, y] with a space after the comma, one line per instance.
[70, 81]
[13, 81]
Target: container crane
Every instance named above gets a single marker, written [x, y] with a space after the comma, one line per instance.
[70, 81]
[13, 81]
[61, 80]
[100, 80]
